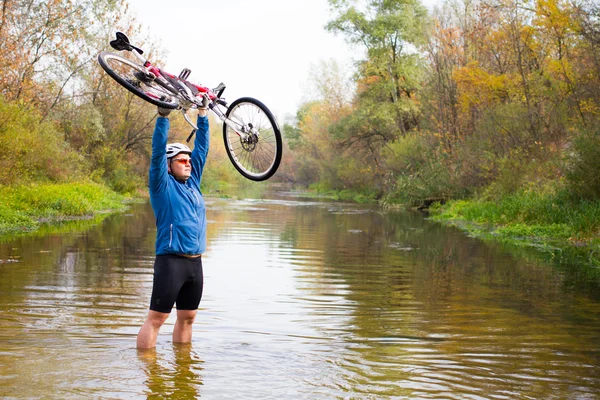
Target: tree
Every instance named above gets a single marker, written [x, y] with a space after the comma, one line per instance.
[390, 33]
[44, 43]
[309, 136]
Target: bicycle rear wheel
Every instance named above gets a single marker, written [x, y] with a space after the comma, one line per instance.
[133, 78]
[255, 146]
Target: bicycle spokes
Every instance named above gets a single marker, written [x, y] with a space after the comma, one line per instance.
[252, 139]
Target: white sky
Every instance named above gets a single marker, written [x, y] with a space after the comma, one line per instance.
[259, 48]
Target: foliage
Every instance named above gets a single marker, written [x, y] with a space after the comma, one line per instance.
[48, 58]
[416, 177]
[47, 44]
[22, 207]
[79, 110]
[339, 141]
[550, 220]
[432, 182]
[583, 165]
[33, 151]
[503, 92]
[390, 33]
[540, 212]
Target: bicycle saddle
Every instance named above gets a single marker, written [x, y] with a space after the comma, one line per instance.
[122, 43]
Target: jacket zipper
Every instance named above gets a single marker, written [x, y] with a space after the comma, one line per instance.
[170, 235]
[196, 196]
[198, 202]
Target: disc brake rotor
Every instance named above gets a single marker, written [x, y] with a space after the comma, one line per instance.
[251, 140]
[250, 143]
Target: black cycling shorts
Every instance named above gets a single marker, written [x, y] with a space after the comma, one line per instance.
[177, 280]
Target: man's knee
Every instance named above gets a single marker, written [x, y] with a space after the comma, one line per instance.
[186, 316]
[157, 318]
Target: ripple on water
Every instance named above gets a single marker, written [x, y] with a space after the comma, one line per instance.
[302, 300]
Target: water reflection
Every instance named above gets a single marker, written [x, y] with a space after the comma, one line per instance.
[303, 299]
[172, 374]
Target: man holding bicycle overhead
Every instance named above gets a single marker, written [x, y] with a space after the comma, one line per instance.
[174, 183]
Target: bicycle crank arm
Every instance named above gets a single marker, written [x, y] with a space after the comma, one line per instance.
[191, 136]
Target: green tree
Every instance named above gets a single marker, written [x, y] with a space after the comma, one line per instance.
[387, 104]
[391, 34]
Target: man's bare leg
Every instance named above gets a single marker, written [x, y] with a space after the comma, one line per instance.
[146, 338]
[183, 326]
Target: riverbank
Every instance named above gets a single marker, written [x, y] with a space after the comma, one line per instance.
[555, 223]
[563, 227]
[24, 208]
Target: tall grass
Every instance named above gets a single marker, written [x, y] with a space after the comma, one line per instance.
[22, 208]
[556, 216]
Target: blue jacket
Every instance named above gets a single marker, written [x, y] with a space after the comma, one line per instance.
[178, 207]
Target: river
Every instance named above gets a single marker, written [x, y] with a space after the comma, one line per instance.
[303, 299]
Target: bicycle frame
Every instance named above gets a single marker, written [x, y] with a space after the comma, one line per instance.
[251, 135]
[188, 100]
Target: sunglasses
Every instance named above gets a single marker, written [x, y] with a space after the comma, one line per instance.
[182, 161]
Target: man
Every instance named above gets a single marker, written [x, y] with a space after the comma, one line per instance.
[175, 175]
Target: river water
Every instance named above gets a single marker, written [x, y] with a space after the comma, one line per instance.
[303, 299]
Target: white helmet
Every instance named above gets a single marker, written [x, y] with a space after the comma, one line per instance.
[175, 148]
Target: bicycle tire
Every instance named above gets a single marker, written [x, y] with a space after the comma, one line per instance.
[122, 70]
[257, 159]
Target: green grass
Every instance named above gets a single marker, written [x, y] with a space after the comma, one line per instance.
[550, 221]
[22, 208]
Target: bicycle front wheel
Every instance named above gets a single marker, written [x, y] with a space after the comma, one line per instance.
[254, 142]
[133, 77]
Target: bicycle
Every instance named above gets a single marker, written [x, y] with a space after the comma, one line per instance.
[250, 132]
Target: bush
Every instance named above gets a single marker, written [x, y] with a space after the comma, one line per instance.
[418, 175]
[432, 183]
[523, 171]
[33, 150]
[583, 166]
[531, 212]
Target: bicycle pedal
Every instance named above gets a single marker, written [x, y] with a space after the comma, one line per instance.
[184, 73]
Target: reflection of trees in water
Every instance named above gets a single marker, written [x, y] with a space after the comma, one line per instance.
[393, 253]
[92, 274]
[385, 248]
[92, 257]
[176, 375]
[412, 288]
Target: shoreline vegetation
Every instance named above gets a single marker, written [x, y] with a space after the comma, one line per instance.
[556, 223]
[24, 208]
[563, 227]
